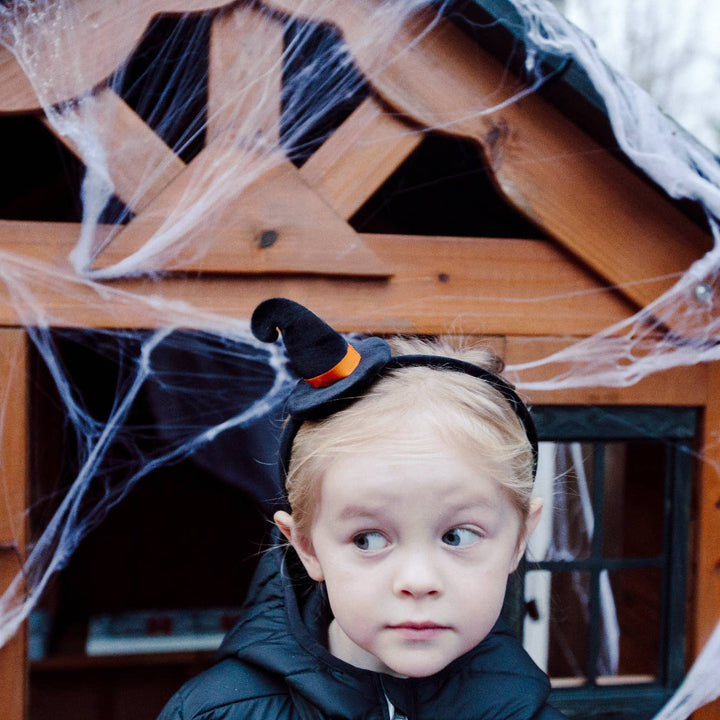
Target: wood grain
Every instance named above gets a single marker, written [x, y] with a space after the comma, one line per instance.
[13, 501]
[547, 167]
[431, 284]
[359, 156]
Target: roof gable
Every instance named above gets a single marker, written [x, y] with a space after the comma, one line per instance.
[264, 216]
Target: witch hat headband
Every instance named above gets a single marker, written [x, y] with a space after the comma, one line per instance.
[334, 372]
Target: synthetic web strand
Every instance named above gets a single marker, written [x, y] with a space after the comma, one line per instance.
[624, 354]
[61, 537]
[244, 141]
[700, 685]
[68, 525]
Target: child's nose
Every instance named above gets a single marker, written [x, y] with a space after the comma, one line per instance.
[417, 576]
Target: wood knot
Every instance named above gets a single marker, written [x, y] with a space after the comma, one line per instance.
[267, 238]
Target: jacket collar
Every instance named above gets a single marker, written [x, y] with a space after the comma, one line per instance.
[282, 631]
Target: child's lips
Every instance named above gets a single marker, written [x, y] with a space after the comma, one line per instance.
[419, 630]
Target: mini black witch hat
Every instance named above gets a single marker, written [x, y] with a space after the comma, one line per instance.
[332, 370]
[335, 372]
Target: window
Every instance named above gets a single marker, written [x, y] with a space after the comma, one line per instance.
[605, 587]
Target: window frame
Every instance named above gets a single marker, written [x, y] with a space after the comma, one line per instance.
[676, 428]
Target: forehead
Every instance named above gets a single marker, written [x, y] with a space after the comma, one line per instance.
[406, 466]
[421, 435]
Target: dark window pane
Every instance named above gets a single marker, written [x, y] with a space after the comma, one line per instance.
[566, 483]
[636, 596]
[556, 632]
[627, 509]
[634, 499]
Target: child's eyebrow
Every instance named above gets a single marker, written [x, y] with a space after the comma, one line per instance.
[352, 512]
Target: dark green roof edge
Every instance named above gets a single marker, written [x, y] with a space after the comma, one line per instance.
[507, 16]
[499, 28]
[567, 71]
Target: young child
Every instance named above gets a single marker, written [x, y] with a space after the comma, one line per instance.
[409, 481]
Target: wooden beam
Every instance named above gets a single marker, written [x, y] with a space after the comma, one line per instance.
[96, 39]
[213, 218]
[13, 504]
[359, 156]
[548, 168]
[706, 550]
[278, 224]
[589, 201]
[683, 386]
[436, 285]
[245, 77]
[139, 163]
[18, 94]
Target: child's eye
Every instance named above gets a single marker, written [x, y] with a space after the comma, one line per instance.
[370, 541]
[460, 536]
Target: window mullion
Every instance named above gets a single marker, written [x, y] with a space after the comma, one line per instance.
[594, 624]
[676, 553]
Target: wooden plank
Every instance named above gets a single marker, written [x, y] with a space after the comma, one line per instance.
[13, 503]
[359, 156]
[18, 94]
[590, 202]
[683, 386]
[706, 551]
[437, 285]
[307, 238]
[245, 77]
[214, 218]
[139, 163]
[245, 64]
[245, 74]
[546, 166]
[96, 40]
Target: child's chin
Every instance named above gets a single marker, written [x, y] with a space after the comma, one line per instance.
[416, 669]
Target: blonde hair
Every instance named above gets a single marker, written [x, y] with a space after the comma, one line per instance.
[465, 411]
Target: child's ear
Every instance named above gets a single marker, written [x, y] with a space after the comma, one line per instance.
[303, 545]
[533, 518]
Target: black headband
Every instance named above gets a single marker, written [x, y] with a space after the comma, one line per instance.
[335, 372]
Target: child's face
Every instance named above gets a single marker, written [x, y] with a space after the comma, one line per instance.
[415, 543]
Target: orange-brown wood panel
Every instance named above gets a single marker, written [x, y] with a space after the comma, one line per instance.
[707, 540]
[547, 167]
[683, 386]
[436, 285]
[139, 163]
[261, 216]
[359, 156]
[245, 76]
[97, 37]
[13, 472]
[18, 94]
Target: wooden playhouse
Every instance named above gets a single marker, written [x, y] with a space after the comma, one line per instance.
[524, 226]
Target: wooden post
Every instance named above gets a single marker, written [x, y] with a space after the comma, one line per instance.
[707, 541]
[13, 474]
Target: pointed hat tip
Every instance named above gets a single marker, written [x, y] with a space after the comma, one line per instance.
[264, 321]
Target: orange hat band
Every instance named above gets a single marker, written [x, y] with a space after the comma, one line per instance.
[342, 370]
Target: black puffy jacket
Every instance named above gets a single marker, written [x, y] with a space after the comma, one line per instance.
[274, 666]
